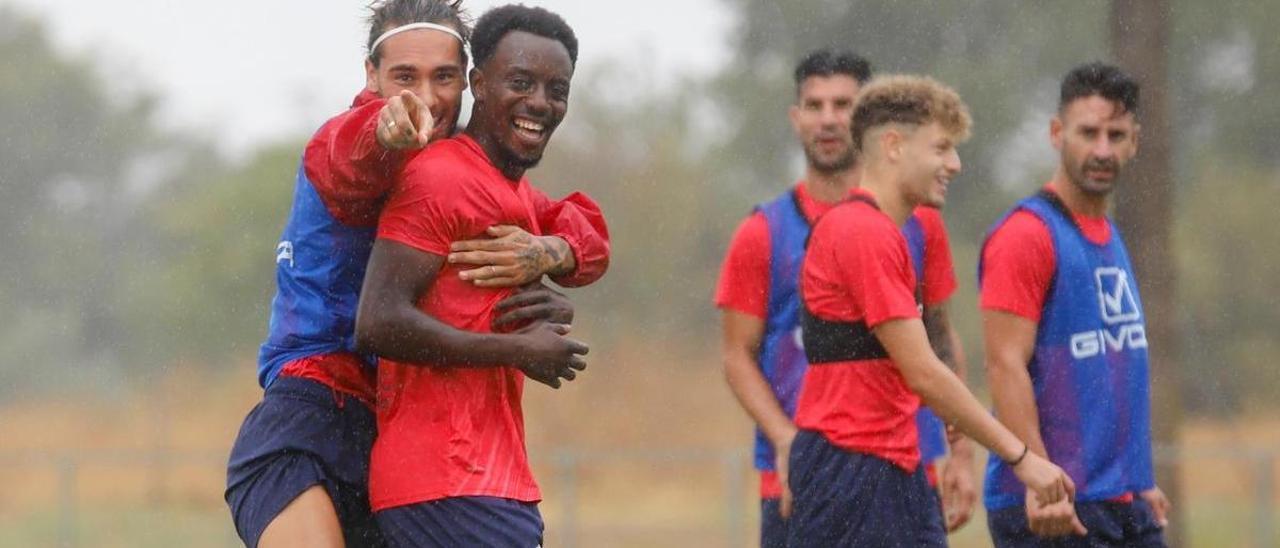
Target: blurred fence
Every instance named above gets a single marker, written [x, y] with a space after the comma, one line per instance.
[593, 498]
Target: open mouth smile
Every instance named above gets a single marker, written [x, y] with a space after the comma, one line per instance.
[529, 130]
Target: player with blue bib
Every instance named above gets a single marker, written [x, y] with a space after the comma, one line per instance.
[1066, 336]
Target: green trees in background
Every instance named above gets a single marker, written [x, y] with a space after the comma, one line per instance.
[127, 247]
[69, 151]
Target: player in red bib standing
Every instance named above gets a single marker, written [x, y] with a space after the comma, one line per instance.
[855, 464]
[449, 467]
[764, 364]
[1065, 336]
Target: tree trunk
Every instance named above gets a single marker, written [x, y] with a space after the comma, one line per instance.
[1144, 211]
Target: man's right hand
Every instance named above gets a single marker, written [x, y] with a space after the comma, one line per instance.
[404, 122]
[1050, 483]
[549, 355]
[1052, 520]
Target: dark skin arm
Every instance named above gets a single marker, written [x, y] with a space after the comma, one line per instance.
[390, 324]
[533, 302]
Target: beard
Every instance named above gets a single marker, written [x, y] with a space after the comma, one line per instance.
[519, 159]
[516, 160]
[1079, 176]
[838, 163]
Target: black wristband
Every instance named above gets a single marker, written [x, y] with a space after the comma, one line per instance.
[1017, 461]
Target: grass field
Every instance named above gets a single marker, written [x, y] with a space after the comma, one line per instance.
[661, 449]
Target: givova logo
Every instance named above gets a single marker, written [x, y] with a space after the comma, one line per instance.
[1115, 296]
[1119, 310]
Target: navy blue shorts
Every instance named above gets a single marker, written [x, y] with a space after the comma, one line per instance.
[773, 529]
[303, 434]
[1110, 524]
[844, 498]
[479, 522]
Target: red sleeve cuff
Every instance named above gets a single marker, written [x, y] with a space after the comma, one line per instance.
[1029, 312]
[940, 293]
[897, 314]
[737, 307]
[578, 220]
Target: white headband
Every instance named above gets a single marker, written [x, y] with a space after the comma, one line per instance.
[414, 26]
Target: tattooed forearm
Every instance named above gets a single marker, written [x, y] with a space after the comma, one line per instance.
[937, 326]
[557, 257]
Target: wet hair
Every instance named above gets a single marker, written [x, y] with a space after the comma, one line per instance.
[1098, 78]
[910, 100]
[495, 24]
[385, 15]
[825, 62]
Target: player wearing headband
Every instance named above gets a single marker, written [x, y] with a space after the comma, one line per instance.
[1066, 335]
[449, 467]
[855, 464]
[298, 472]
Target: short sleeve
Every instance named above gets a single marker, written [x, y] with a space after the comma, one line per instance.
[877, 268]
[939, 272]
[1017, 266]
[425, 210]
[744, 276]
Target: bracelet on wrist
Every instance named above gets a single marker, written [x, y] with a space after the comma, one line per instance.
[1015, 462]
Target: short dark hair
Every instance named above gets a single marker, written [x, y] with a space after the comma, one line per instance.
[1098, 78]
[387, 14]
[825, 62]
[499, 21]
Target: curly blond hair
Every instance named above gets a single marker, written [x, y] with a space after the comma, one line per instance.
[910, 100]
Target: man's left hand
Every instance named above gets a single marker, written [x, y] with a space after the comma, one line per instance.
[512, 257]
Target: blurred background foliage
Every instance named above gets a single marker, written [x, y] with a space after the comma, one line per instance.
[136, 264]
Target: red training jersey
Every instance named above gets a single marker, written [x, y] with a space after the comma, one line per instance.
[744, 278]
[858, 269]
[450, 431]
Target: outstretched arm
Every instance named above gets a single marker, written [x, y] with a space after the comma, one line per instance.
[908, 347]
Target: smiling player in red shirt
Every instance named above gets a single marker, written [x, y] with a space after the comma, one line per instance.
[757, 293]
[449, 467]
[855, 470]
